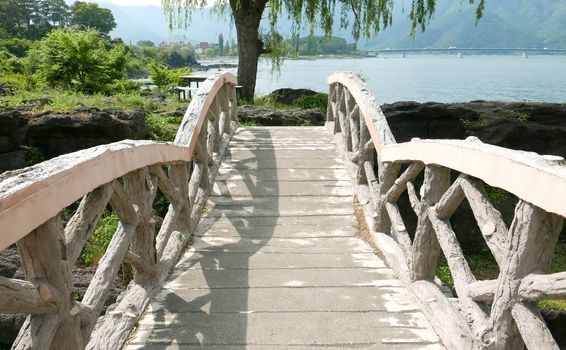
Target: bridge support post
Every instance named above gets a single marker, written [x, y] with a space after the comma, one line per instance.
[44, 259]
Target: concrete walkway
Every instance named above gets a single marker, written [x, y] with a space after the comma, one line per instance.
[276, 265]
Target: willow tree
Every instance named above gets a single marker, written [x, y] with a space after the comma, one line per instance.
[365, 17]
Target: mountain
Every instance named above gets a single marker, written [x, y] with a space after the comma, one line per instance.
[135, 23]
[506, 23]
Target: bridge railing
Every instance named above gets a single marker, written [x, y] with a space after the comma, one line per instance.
[37, 213]
[487, 314]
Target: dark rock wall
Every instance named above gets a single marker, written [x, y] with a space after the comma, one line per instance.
[56, 133]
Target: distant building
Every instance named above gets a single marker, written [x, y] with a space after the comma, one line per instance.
[180, 43]
[203, 45]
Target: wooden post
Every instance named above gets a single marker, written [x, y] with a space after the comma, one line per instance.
[425, 250]
[44, 259]
[533, 235]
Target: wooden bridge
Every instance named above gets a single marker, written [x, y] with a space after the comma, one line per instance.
[259, 248]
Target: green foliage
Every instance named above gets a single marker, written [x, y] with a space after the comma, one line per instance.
[68, 100]
[13, 83]
[318, 101]
[248, 123]
[90, 15]
[160, 128]
[521, 117]
[16, 46]
[147, 43]
[100, 239]
[317, 45]
[10, 63]
[165, 77]
[79, 60]
[497, 195]
[32, 19]
[33, 155]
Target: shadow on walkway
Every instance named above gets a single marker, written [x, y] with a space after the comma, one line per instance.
[218, 315]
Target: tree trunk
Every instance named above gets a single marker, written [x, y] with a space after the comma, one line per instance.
[247, 16]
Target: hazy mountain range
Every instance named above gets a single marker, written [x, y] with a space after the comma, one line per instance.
[506, 23]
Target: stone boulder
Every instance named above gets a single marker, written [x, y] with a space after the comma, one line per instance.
[535, 127]
[59, 133]
[56, 133]
[289, 96]
[280, 117]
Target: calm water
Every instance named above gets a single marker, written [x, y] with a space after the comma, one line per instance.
[432, 77]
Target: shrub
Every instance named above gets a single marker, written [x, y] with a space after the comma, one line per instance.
[318, 101]
[100, 239]
[78, 60]
[165, 77]
[18, 47]
[160, 129]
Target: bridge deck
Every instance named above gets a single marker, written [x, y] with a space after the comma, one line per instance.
[276, 265]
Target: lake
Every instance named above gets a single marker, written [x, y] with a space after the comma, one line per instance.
[442, 78]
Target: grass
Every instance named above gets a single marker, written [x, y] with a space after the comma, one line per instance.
[61, 101]
[317, 101]
[484, 267]
[162, 128]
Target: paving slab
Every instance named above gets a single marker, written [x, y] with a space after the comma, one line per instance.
[273, 227]
[290, 278]
[288, 174]
[262, 260]
[281, 154]
[250, 188]
[311, 299]
[314, 329]
[315, 245]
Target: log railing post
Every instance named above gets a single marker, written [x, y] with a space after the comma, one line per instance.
[44, 259]
[533, 235]
[425, 249]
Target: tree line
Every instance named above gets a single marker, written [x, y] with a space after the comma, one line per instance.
[32, 20]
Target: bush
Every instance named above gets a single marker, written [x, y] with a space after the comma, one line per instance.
[10, 63]
[78, 60]
[18, 47]
[164, 77]
[100, 239]
[318, 101]
[160, 129]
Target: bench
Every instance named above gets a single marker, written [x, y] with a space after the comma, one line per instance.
[183, 91]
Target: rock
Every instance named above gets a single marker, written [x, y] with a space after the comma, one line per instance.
[9, 262]
[58, 133]
[13, 160]
[556, 322]
[10, 326]
[289, 96]
[280, 117]
[13, 130]
[221, 66]
[536, 127]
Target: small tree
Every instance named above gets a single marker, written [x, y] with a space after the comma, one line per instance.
[165, 78]
[78, 60]
[220, 44]
[90, 15]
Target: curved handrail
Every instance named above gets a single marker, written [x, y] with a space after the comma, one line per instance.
[523, 251]
[127, 176]
[545, 174]
[540, 180]
[369, 108]
[63, 180]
